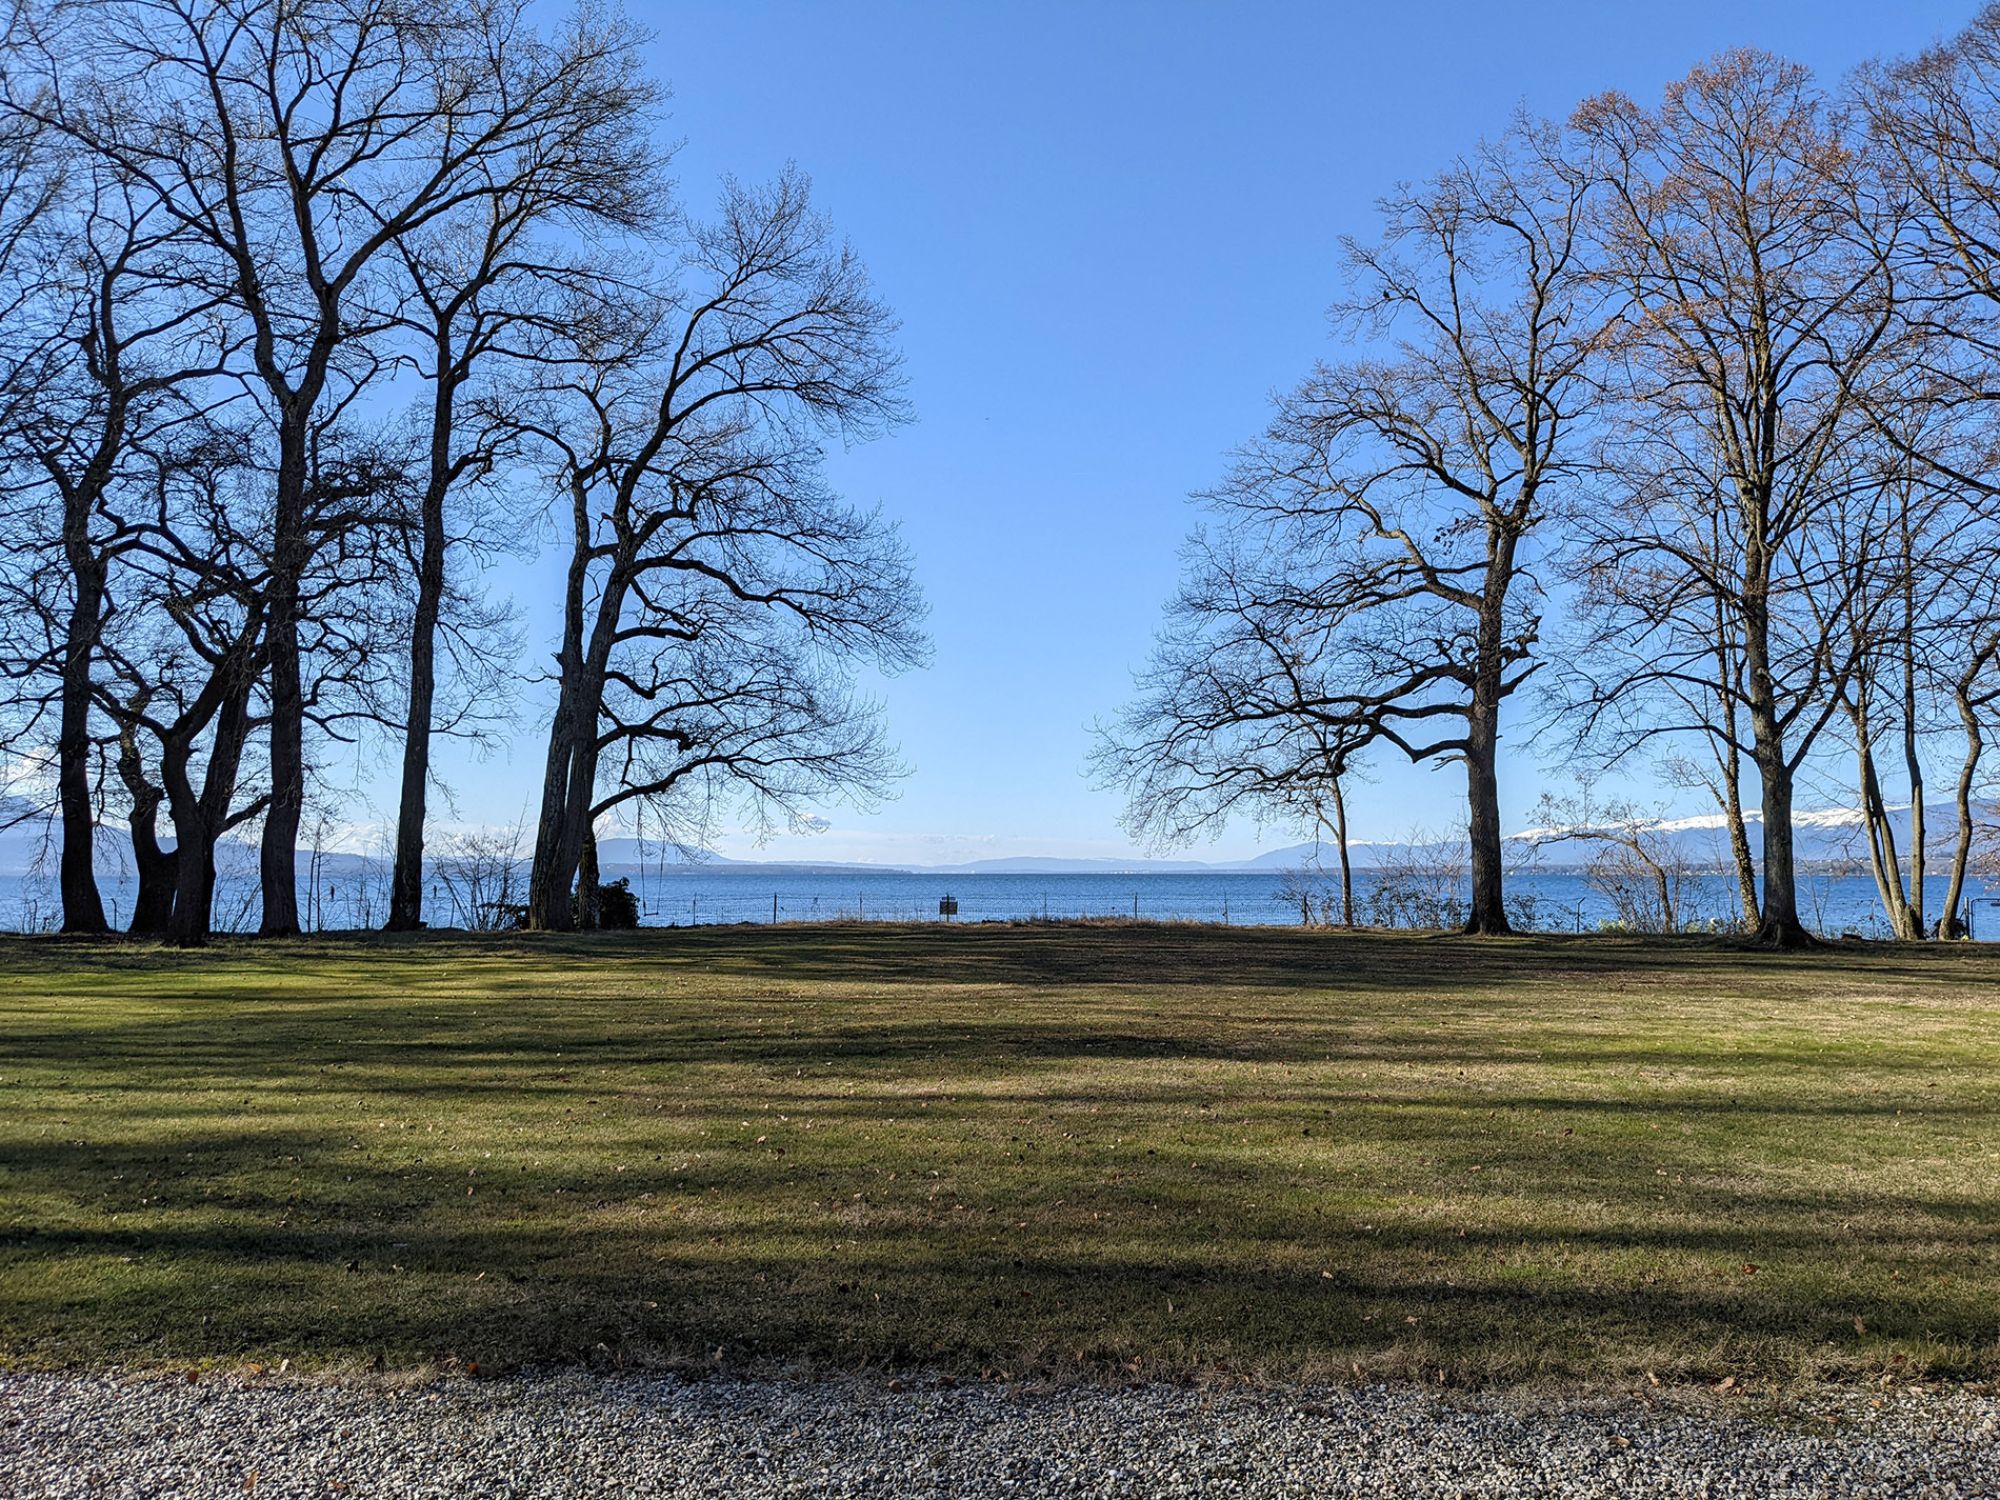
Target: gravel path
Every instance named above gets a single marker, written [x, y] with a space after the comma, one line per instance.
[577, 1434]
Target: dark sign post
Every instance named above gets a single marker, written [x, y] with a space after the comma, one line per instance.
[948, 907]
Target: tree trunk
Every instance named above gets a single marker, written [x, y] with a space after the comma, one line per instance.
[1883, 861]
[159, 872]
[1729, 763]
[558, 842]
[406, 881]
[199, 820]
[1346, 864]
[568, 783]
[83, 905]
[569, 779]
[194, 876]
[153, 907]
[278, 850]
[1951, 922]
[1663, 887]
[587, 881]
[1779, 925]
[1482, 793]
[1739, 839]
[1912, 763]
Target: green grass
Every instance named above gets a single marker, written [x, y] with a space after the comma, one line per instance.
[1038, 1151]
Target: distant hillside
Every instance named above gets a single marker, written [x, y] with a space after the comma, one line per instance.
[1823, 836]
[1827, 835]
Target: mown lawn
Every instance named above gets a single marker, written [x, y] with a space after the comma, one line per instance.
[1034, 1151]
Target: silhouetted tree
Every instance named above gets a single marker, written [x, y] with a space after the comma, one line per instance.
[716, 589]
[1382, 534]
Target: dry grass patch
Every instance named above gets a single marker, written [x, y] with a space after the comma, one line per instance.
[1038, 1150]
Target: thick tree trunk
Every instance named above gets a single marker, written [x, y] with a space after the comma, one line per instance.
[278, 850]
[1482, 794]
[158, 871]
[153, 907]
[558, 842]
[1779, 925]
[194, 876]
[561, 832]
[199, 820]
[83, 905]
[569, 778]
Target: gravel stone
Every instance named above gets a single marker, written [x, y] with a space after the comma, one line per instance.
[576, 1434]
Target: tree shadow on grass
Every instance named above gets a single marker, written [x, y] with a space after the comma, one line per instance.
[285, 1242]
[1269, 1130]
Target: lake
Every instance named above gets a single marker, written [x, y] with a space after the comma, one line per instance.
[1552, 901]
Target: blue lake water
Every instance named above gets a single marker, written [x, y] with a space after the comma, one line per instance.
[1553, 901]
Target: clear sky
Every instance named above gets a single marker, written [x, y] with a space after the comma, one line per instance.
[1110, 231]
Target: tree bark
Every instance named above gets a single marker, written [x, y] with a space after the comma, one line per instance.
[1346, 863]
[406, 880]
[199, 819]
[1482, 792]
[586, 882]
[1739, 830]
[1779, 925]
[569, 779]
[1951, 922]
[1488, 915]
[83, 904]
[1913, 766]
[153, 907]
[1883, 860]
[278, 850]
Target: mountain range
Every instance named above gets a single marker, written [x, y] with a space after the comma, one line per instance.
[1822, 836]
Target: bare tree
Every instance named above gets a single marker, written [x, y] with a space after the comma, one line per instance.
[1420, 882]
[299, 141]
[716, 589]
[484, 871]
[1746, 233]
[1936, 118]
[1638, 868]
[182, 665]
[1383, 533]
[1225, 721]
[472, 283]
[105, 350]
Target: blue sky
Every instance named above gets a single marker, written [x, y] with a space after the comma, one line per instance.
[1110, 231]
